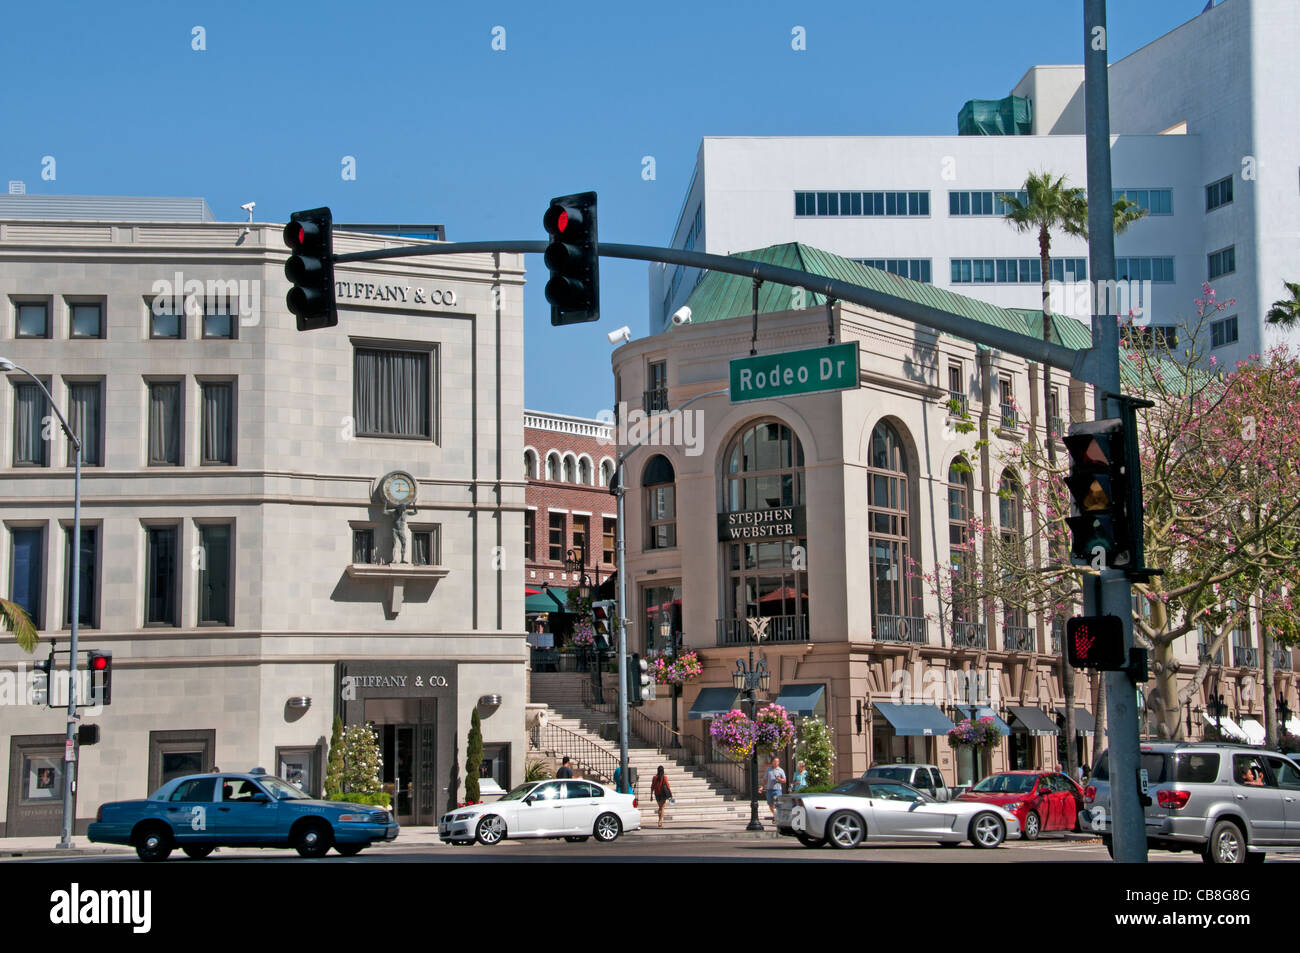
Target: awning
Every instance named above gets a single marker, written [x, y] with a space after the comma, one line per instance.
[915, 720]
[548, 600]
[1229, 727]
[1032, 721]
[965, 711]
[1255, 732]
[806, 701]
[712, 702]
[1084, 723]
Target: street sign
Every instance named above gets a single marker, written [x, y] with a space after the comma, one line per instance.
[813, 371]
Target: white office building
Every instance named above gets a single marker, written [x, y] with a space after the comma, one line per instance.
[1206, 138]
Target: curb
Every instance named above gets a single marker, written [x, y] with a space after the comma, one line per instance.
[57, 852]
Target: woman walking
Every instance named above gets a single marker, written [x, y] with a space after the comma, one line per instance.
[661, 792]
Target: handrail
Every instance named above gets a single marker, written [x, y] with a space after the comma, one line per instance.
[589, 757]
[700, 754]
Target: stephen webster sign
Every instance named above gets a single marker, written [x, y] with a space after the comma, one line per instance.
[773, 523]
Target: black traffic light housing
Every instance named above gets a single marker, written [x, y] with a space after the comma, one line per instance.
[88, 734]
[310, 236]
[638, 680]
[1096, 642]
[1100, 484]
[573, 259]
[100, 666]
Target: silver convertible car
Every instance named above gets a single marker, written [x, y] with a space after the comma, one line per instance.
[859, 810]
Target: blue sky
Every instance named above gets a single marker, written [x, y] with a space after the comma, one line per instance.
[445, 129]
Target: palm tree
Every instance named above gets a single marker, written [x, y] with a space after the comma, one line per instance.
[1287, 311]
[15, 618]
[1050, 204]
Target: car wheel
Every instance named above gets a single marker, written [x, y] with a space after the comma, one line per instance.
[198, 851]
[313, 840]
[153, 843]
[349, 850]
[576, 839]
[608, 827]
[491, 830]
[1227, 845]
[809, 841]
[845, 829]
[1033, 827]
[987, 830]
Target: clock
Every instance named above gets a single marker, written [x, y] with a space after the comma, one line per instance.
[397, 488]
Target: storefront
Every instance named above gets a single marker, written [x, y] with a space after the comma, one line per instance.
[1027, 726]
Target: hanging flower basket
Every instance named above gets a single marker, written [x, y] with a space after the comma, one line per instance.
[982, 734]
[734, 734]
[584, 634]
[773, 729]
[679, 670]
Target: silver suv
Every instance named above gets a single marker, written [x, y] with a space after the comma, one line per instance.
[1229, 803]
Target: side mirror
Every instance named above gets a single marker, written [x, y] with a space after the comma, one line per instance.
[260, 798]
[530, 799]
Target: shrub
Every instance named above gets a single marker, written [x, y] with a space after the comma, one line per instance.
[374, 798]
[334, 763]
[361, 760]
[473, 757]
[537, 770]
[817, 751]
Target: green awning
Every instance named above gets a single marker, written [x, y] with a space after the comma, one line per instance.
[915, 720]
[712, 702]
[804, 701]
[548, 600]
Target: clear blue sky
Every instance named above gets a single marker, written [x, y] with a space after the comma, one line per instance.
[444, 129]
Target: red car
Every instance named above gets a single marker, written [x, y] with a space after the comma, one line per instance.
[1040, 800]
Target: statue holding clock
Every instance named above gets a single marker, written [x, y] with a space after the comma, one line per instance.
[398, 492]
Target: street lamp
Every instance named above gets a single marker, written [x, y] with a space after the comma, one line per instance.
[750, 680]
[70, 744]
[575, 561]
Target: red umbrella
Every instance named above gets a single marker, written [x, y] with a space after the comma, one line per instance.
[531, 592]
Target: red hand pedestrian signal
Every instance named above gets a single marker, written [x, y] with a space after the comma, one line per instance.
[1096, 642]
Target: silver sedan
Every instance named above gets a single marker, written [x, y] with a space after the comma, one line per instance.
[889, 810]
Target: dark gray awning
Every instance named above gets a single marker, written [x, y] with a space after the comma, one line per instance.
[806, 701]
[1083, 720]
[915, 720]
[712, 702]
[1032, 721]
[966, 712]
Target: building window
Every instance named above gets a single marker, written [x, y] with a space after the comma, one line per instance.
[162, 582]
[1218, 193]
[87, 572]
[1010, 271]
[1011, 523]
[661, 608]
[1007, 399]
[764, 469]
[86, 417]
[606, 473]
[496, 765]
[889, 527]
[31, 448]
[957, 398]
[552, 466]
[965, 602]
[391, 393]
[424, 547]
[1222, 262]
[655, 400]
[608, 535]
[164, 423]
[1068, 269]
[1152, 335]
[214, 574]
[530, 465]
[363, 546]
[219, 322]
[32, 319]
[820, 204]
[218, 399]
[86, 320]
[917, 269]
[581, 531]
[584, 471]
[530, 552]
[166, 323]
[985, 202]
[659, 482]
[27, 571]
[1158, 270]
[1154, 201]
[570, 470]
[555, 537]
[1223, 332]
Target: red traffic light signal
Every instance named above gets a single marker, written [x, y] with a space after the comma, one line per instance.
[573, 259]
[100, 665]
[1096, 642]
[310, 236]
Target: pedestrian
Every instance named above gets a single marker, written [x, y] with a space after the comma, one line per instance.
[800, 779]
[773, 784]
[565, 771]
[661, 792]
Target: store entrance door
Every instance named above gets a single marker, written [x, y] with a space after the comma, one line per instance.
[406, 747]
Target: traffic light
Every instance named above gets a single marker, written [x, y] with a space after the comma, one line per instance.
[310, 236]
[1096, 641]
[639, 688]
[601, 614]
[88, 734]
[1099, 483]
[572, 257]
[100, 666]
[47, 669]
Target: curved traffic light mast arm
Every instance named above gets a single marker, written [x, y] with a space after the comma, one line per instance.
[1076, 362]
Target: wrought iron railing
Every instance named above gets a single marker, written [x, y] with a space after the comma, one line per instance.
[1057, 425]
[1010, 418]
[1017, 638]
[780, 628]
[655, 400]
[957, 403]
[1281, 658]
[900, 628]
[969, 635]
[590, 759]
[1203, 653]
[589, 700]
[1245, 656]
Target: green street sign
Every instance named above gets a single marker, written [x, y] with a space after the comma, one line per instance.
[817, 369]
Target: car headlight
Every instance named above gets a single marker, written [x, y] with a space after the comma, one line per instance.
[1013, 806]
[461, 817]
[354, 818]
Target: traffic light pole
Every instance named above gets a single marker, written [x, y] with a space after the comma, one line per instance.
[1128, 822]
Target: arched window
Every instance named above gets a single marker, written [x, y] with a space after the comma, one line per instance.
[530, 465]
[570, 470]
[1016, 635]
[552, 466]
[584, 471]
[967, 627]
[766, 577]
[894, 594]
[606, 472]
[660, 483]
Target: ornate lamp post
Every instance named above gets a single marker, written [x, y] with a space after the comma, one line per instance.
[750, 680]
[575, 561]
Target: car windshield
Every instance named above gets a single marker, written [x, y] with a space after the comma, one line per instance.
[281, 790]
[1006, 784]
[519, 793]
[897, 774]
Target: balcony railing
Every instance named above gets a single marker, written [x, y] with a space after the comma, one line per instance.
[1010, 418]
[655, 400]
[1057, 425]
[957, 404]
[1203, 653]
[1245, 656]
[780, 628]
[900, 628]
[969, 635]
[1018, 638]
[1281, 658]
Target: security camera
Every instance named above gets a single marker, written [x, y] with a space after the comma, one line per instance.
[621, 336]
[248, 206]
[682, 315]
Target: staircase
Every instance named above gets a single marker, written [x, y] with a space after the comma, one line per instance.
[700, 799]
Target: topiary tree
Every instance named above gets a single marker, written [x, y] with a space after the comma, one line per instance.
[817, 751]
[473, 757]
[362, 760]
[334, 763]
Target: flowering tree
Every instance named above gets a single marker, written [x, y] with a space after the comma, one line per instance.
[817, 751]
